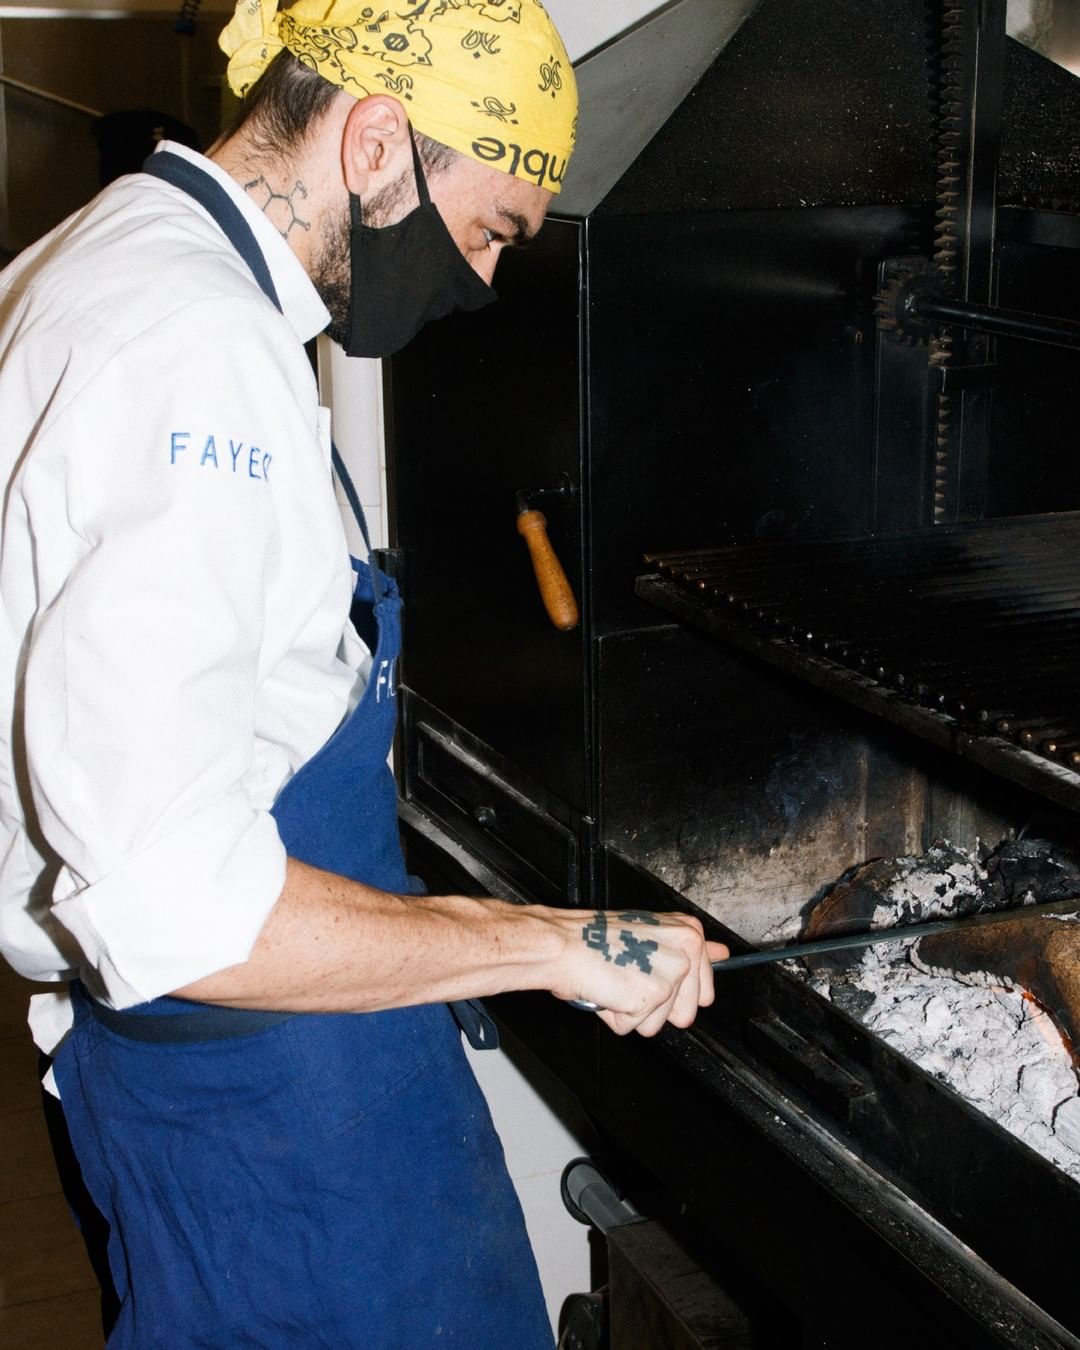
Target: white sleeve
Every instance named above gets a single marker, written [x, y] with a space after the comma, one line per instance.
[157, 500]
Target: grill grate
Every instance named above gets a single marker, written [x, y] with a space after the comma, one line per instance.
[976, 627]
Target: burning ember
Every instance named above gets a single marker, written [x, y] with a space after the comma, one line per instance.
[993, 1012]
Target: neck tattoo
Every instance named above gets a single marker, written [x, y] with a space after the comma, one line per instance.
[280, 208]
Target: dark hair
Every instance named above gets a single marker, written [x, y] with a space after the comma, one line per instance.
[280, 106]
[288, 97]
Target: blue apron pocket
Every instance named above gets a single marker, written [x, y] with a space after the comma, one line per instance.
[351, 1064]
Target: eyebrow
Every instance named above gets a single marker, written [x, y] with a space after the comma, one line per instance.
[520, 233]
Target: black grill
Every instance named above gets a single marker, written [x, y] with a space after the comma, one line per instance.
[968, 635]
[733, 348]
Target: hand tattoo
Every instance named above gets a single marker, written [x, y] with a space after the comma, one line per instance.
[635, 951]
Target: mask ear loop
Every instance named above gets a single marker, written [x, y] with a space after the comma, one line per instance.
[418, 168]
[356, 210]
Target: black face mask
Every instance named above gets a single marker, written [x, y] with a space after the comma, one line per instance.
[405, 275]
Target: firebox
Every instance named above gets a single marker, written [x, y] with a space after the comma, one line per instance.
[790, 376]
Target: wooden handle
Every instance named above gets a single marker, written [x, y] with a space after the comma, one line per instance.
[555, 590]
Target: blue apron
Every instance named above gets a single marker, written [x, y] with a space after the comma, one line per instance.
[313, 1180]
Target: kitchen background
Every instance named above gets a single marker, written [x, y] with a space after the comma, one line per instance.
[62, 65]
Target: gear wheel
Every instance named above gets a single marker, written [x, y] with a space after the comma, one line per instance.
[896, 306]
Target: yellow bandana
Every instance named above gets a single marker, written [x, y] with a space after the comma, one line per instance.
[490, 78]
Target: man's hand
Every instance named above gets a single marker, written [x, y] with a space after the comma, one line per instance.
[641, 969]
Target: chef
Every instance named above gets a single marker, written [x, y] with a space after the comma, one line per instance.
[256, 1037]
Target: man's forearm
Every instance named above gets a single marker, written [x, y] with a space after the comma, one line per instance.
[333, 945]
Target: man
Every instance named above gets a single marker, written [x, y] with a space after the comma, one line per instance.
[199, 828]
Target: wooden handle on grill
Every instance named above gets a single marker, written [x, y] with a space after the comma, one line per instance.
[555, 590]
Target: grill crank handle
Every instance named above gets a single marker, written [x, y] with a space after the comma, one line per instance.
[591, 1199]
[555, 590]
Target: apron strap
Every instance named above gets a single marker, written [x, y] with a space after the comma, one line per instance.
[211, 1022]
[378, 586]
[210, 195]
[351, 494]
[213, 198]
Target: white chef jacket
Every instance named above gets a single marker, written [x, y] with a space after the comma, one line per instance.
[174, 589]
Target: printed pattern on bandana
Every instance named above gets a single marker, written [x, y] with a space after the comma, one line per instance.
[489, 78]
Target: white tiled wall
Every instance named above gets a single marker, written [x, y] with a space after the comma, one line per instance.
[541, 1130]
[352, 388]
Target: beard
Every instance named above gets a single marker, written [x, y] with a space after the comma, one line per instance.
[331, 272]
[331, 275]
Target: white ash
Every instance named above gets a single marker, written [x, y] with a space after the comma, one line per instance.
[993, 1047]
[987, 1042]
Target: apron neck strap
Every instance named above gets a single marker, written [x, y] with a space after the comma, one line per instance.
[213, 198]
[351, 494]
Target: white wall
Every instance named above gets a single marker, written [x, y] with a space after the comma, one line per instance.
[352, 388]
[585, 26]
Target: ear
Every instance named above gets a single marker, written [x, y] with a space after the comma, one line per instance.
[376, 144]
